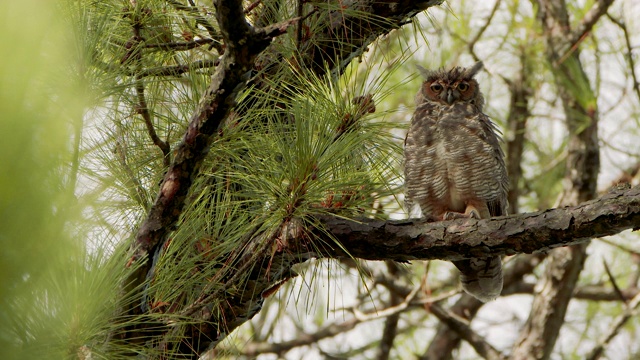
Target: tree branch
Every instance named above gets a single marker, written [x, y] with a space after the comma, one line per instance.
[629, 54]
[243, 44]
[581, 31]
[242, 47]
[254, 349]
[629, 311]
[143, 110]
[508, 235]
[446, 340]
[461, 326]
[587, 292]
[390, 328]
[447, 240]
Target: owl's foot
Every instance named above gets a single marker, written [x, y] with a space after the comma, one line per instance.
[452, 215]
[471, 213]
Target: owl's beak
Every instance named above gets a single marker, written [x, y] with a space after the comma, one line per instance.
[450, 96]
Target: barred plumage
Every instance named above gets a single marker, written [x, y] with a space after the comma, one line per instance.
[454, 166]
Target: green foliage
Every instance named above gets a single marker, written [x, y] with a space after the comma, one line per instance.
[56, 295]
[317, 151]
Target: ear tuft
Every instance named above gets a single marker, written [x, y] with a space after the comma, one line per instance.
[426, 74]
[472, 71]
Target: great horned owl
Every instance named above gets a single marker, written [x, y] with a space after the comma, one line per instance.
[454, 166]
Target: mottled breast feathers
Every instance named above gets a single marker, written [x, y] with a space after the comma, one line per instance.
[454, 166]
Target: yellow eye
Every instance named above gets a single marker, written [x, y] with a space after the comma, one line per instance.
[436, 87]
[463, 86]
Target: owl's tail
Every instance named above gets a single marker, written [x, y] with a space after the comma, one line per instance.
[481, 277]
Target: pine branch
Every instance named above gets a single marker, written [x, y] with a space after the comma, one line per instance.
[243, 44]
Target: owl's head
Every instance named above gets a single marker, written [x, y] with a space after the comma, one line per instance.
[449, 87]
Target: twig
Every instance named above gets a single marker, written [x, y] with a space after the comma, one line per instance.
[143, 110]
[174, 70]
[620, 246]
[200, 20]
[629, 311]
[254, 349]
[462, 328]
[629, 55]
[120, 151]
[179, 45]
[390, 329]
[583, 29]
[446, 340]
[472, 43]
[586, 292]
[614, 283]
[252, 6]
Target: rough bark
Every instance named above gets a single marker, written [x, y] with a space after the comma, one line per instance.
[508, 235]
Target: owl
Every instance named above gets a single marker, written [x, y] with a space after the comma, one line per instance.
[454, 166]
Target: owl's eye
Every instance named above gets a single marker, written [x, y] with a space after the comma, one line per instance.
[436, 87]
[463, 86]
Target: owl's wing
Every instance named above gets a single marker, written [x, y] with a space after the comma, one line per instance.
[421, 165]
[492, 135]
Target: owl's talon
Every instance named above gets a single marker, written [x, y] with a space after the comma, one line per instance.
[474, 214]
[452, 215]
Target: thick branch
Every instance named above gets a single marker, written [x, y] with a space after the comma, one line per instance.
[457, 239]
[450, 240]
